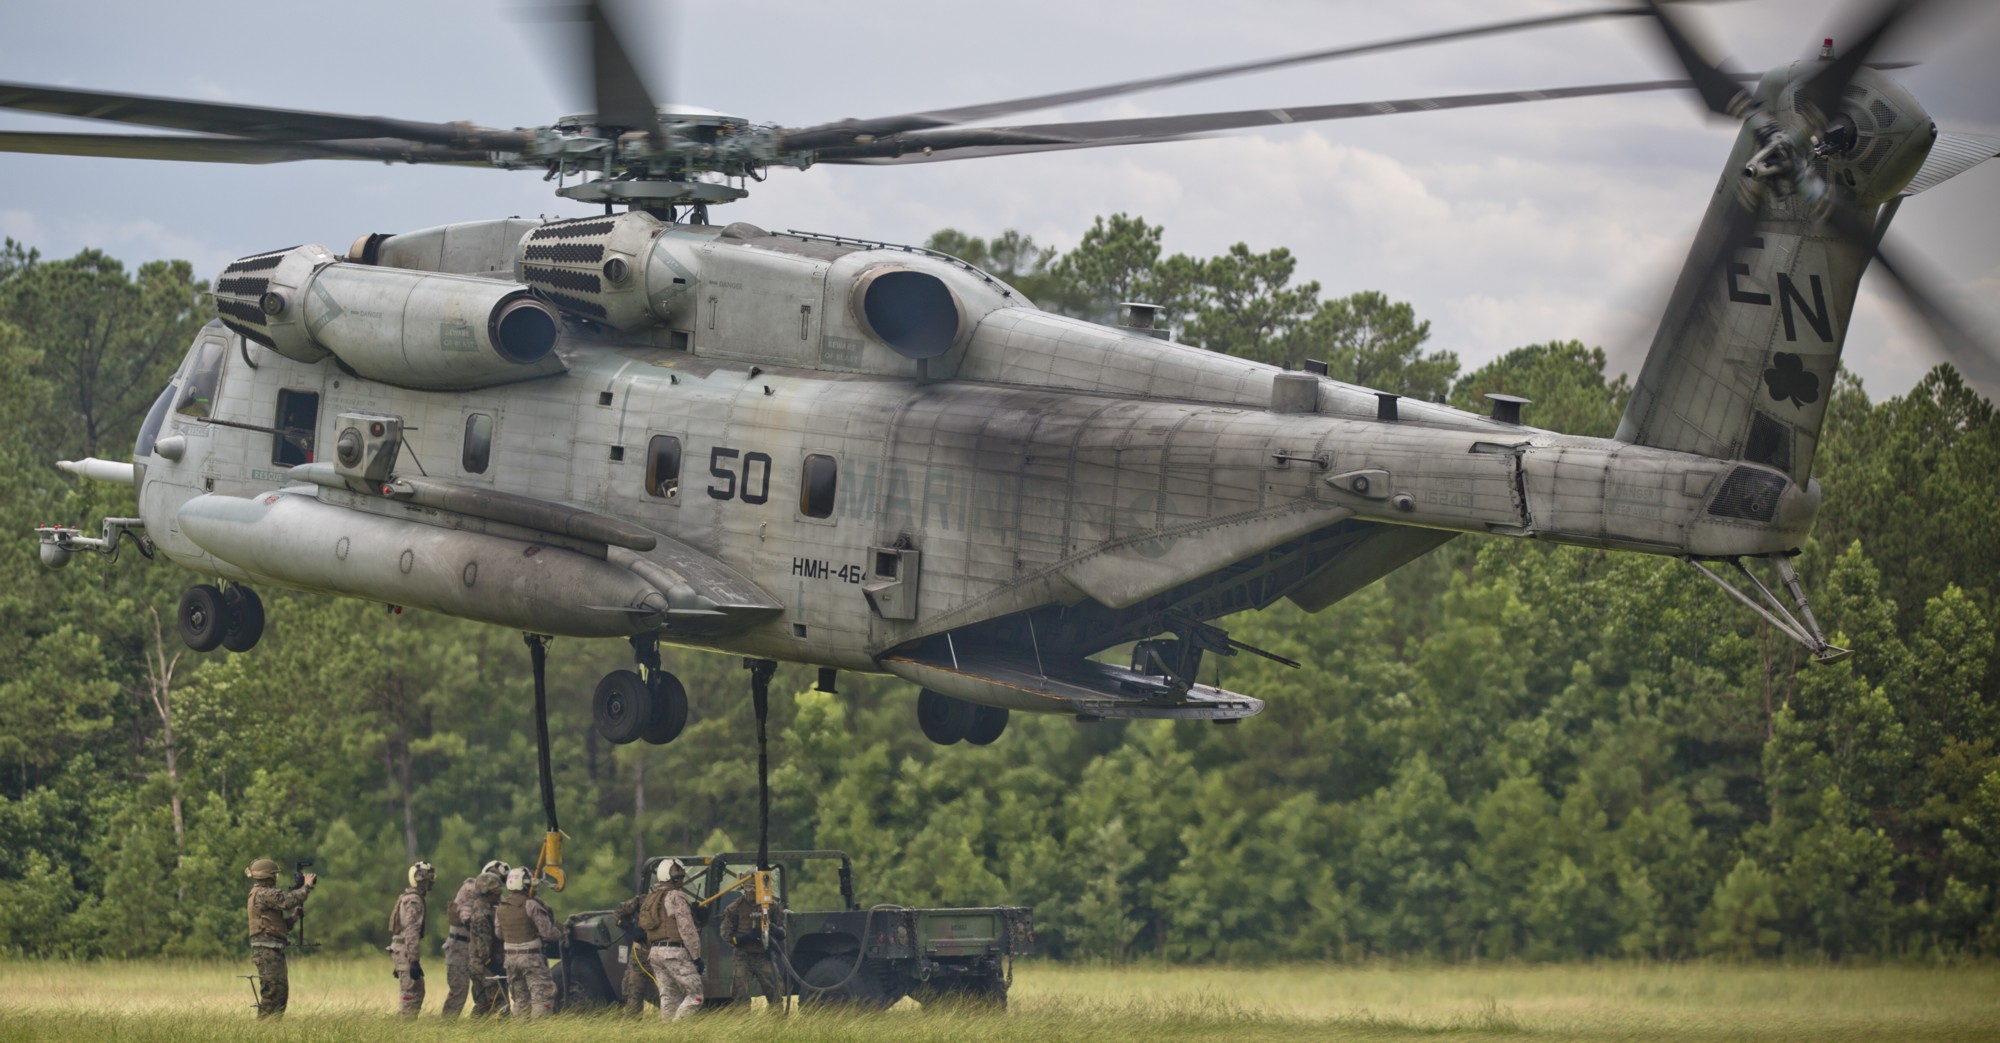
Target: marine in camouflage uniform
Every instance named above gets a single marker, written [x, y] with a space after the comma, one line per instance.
[637, 988]
[674, 943]
[406, 937]
[468, 943]
[272, 914]
[523, 923]
[753, 961]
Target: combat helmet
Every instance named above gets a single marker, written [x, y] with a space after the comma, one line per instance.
[262, 869]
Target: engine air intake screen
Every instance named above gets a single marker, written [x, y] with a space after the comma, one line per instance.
[914, 313]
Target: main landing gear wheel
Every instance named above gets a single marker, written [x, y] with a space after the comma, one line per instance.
[945, 720]
[204, 618]
[244, 613]
[670, 709]
[622, 706]
[987, 724]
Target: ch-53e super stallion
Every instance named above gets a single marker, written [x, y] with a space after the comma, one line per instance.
[831, 451]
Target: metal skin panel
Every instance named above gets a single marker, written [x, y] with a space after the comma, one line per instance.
[1097, 479]
[469, 248]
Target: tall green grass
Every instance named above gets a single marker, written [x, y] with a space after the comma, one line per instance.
[349, 1000]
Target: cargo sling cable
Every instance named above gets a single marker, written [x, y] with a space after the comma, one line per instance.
[760, 701]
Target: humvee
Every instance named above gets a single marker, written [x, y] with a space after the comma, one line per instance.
[848, 956]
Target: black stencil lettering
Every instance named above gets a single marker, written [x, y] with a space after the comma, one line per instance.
[1815, 313]
[761, 484]
[715, 467]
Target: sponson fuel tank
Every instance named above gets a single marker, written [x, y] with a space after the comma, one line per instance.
[289, 538]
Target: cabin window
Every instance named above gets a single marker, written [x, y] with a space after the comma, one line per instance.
[204, 372]
[663, 467]
[817, 485]
[478, 451]
[292, 435]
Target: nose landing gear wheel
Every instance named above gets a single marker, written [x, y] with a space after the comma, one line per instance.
[245, 615]
[622, 706]
[945, 720]
[204, 618]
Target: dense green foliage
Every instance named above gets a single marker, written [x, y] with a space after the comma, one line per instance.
[1504, 750]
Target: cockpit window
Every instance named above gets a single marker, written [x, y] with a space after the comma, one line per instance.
[204, 372]
[150, 432]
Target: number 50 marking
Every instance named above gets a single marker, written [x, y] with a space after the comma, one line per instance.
[756, 476]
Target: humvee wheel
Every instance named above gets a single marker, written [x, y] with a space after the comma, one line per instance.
[204, 618]
[987, 724]
[863, 989]
[670, 709]
[622, 706]
[945, 720]
[244, 618]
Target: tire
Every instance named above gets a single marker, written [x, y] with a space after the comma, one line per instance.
[987, 724]
[864, 991]
[622, 706]
[670, 710]
[245, 619]
[944, 720]
[204, 618]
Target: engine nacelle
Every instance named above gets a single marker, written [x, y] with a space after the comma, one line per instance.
[424, 330]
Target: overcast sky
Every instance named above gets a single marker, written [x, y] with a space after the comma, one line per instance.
[1503, 226]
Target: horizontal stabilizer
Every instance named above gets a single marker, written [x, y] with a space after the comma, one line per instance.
[1082, 687]
[1952, 155]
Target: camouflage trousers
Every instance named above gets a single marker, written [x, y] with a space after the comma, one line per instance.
[529, 986]
[760, 967]
[637, 988]
[410, 983]
[464, 974]
[680, 983]
[273, 985]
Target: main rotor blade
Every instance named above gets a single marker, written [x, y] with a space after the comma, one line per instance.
[618, 92]
[622, 99]
[1049, 137]
[844, 132]
[232, 150]
[247, 121]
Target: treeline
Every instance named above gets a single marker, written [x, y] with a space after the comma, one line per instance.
[1504, 750]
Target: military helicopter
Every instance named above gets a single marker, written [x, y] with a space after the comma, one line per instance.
[834, 451]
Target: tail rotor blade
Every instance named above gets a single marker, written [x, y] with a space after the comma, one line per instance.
[1719, 90]
[1976, 359]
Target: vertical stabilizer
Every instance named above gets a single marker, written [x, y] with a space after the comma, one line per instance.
[1744, 359]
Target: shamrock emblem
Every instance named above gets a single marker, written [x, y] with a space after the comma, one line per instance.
[1788, 379]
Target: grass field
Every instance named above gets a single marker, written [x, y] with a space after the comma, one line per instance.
[344, 1000]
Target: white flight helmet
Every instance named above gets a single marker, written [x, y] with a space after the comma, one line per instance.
[670, 870]
[517, 878]
[497, 868]
[422, 873]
